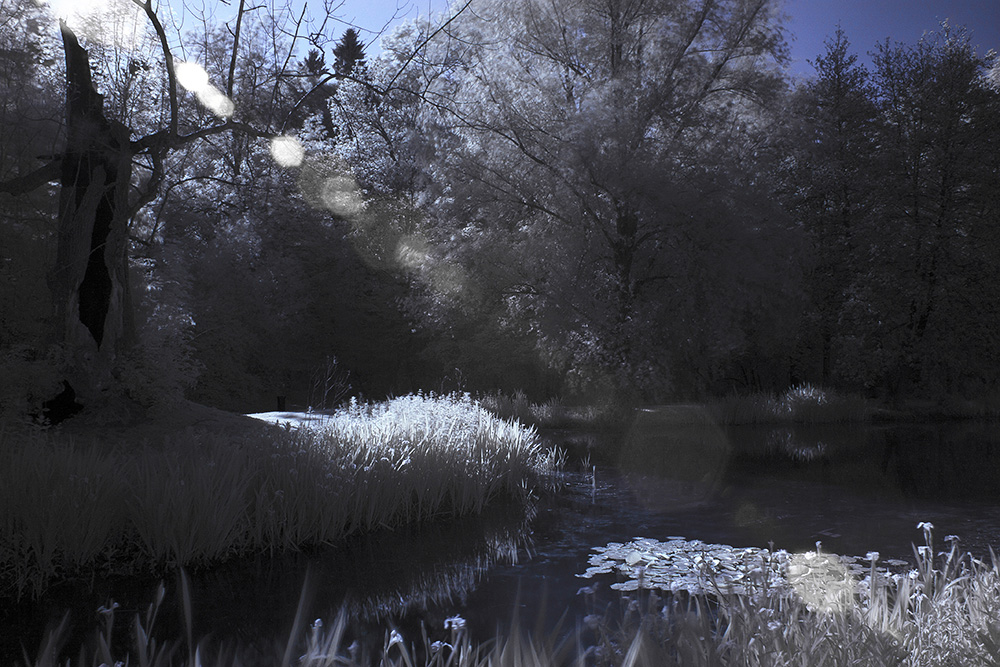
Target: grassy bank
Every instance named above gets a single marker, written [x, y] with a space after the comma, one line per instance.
[70, 508]
[945, 611]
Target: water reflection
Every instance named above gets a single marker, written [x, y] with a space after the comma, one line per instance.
[246, 607]
[958, 461]
[674, 458]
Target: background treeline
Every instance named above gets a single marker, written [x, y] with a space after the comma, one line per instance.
[576, 198]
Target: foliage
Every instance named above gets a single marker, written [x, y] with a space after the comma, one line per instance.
[898, 207]
[556, 413]
[605, 200]
[562, 175]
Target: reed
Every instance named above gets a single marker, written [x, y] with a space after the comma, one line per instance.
[69, 509]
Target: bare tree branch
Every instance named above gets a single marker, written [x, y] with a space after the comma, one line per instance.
[23, 184]
[236, 48]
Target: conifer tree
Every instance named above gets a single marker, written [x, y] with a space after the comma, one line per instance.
[349, 53]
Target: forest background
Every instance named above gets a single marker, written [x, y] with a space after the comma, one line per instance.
[596, 200]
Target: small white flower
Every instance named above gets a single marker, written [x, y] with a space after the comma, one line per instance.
[454, 623]
[872, 555]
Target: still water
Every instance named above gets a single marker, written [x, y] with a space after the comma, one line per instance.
[853, 488]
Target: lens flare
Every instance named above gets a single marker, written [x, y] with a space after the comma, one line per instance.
[822, 581]
[287, 151]
[192, 76]
[341, 197]
[216, 101]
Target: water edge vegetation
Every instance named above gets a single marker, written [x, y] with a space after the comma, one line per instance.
[944, 611]
[70, 509]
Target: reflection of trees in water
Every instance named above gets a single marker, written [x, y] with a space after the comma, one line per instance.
[378, 579]
[942, 461]
[933, 461]
[439, 566]
[674, 457]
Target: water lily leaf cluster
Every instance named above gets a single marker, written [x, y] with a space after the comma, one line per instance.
[698, 567]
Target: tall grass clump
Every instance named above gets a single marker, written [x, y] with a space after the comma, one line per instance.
[803, 403]
[71, 509]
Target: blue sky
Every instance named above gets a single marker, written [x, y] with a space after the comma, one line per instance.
[810, 22]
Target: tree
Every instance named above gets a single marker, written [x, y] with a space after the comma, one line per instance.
[835, 163]
[107, 176]
[349, 54]
[315, 62]
[890, 183]
[923, 317]
[589, 158]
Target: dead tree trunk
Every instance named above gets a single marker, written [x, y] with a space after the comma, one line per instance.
[90, 280]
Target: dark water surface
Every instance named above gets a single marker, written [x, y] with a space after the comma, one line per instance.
[853, 488]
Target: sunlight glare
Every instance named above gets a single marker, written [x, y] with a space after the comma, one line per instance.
[287, 151]
[68, 10]
[116, 23]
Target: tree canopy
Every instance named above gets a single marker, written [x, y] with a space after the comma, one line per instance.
[597, 198]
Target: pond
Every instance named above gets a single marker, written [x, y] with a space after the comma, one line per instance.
[853, 488]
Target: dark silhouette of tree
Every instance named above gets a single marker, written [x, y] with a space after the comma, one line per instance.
[315, 62]
[349, 53]
[836, 160]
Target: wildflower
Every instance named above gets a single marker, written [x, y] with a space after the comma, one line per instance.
[454, 623]
[394, 638]
[872, 556]
[951, 538]
[109, 609]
